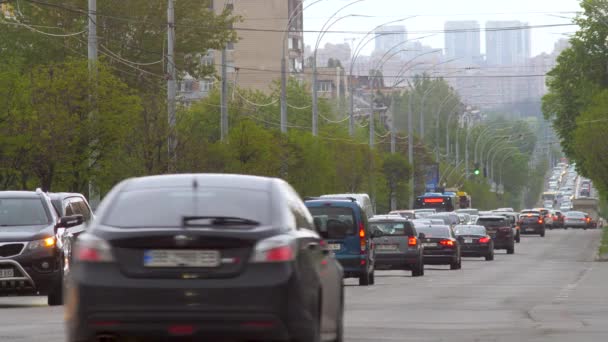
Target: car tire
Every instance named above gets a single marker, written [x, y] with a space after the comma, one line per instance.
[418, 270]
[542, 234]
[372, 278]
[490, 256]
[55, 297]
[518, 238]
[511, 249]
[456, 265]
[364, 279]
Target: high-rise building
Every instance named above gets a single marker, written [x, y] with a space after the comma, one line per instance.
[255, 59]
[389, 36]
[462, 41]
[507, 43]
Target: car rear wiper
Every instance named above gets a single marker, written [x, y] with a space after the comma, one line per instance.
[210, 221]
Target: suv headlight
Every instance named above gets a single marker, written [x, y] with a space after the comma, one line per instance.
[42, 244]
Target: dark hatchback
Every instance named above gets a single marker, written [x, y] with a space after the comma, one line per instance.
[532, 222]
[440, 246]
[206, 258]
[30, 262]
[475, 241]
[398, 247]
[501, 231]
[348, 235]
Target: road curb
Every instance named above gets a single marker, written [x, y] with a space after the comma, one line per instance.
[602, 257]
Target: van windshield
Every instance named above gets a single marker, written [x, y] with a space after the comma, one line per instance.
[334, 222]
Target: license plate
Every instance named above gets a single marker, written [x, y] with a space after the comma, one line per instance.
[468, 240]
[387, 247]
[529, 229]
[7, 273]
[429, 244]
[334, 246]
[181, 258]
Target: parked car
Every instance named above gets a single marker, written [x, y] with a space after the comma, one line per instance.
[398, 246]
[348, 235]
[68, 205]
[30, 260]
[210, 256]
[475, 241]
[500, 229]
[532, 222]
[440, 246]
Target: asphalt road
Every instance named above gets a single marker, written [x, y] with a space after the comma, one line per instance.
[550, 290]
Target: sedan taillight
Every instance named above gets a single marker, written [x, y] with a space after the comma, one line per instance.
[484, 239]
[275, 249]
[412, 241]
[447, 243]
[92, 249]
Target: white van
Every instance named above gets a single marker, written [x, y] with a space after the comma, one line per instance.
[362, 199]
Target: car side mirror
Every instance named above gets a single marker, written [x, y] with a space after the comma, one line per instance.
[69, 221]
[421, 236]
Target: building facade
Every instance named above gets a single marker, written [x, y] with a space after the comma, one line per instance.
[389, 36]
[462, 41]
[507, 43]
[268, 28]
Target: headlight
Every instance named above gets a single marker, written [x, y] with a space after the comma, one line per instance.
[42, 244]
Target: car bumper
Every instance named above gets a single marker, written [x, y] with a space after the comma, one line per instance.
[30, 275]
[439, 257]
[476, 251]
[266, 302]
[576, 224]
[352, 265]
[532, 229]
[397, 260]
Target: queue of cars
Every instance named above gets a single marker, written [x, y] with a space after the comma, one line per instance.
[227, 257]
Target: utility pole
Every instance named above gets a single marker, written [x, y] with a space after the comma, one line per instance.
[94, 197]
[283, 90]
[315, 109]
[171, 85]
[372, 126]
[410, 147]
[224, 99]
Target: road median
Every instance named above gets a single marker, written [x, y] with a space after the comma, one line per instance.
[603, 250]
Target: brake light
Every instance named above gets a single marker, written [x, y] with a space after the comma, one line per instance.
[279, 248]
[447, 243]
[540, 221]
[588, 219]
[362, 238]
[412, 241]
[484, 239]
[93, 249]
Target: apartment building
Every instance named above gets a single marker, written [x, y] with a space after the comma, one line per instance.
[267, 28]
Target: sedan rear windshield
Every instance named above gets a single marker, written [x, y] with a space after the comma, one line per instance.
[167, 207]
[575, 214]
[470, 230]
[394, 228]
[435, 232]
[491, 222]
[22, 212]
[334, 222]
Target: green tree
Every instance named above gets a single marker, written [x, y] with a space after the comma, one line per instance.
[396, 172]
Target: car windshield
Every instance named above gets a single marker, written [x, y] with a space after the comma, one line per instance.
[333, 221]
[491, 222]
[22, 212]
[393, 228]
[167, 207]
[435, 231]
[470, 230]
[575, 214]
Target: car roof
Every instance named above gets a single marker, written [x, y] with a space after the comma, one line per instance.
[19, 194]
[202, 180]
[492, 217]
[336, 202]
[391, 218]
[470, 226]
[62, 195]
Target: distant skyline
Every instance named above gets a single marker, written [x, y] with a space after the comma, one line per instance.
[428, 19]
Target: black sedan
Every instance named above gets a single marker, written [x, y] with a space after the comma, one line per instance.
[440, 246]
[475, 241]
[206, 258]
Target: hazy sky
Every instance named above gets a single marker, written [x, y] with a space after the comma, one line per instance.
[431, 15]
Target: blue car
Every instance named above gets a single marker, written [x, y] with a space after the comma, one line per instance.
[344, 225]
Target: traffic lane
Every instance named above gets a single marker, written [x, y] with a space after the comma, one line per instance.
[30, 319]
[496, 300]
